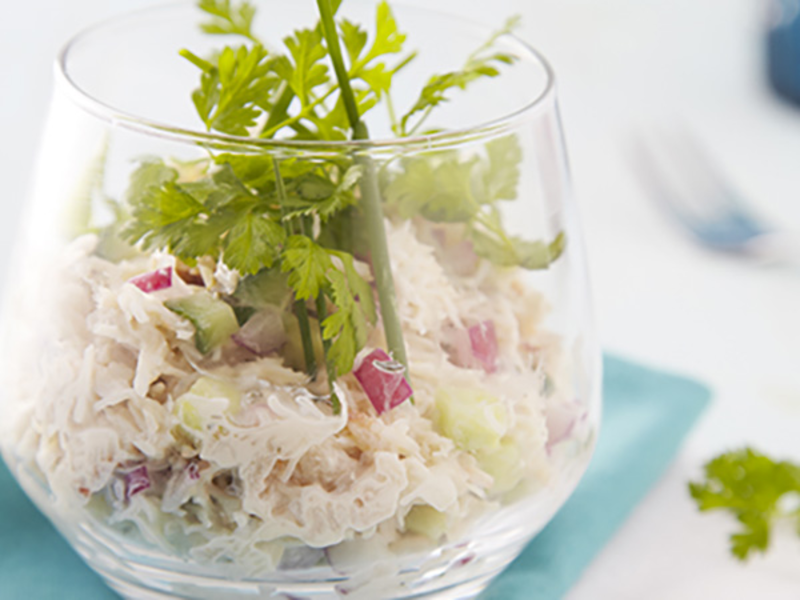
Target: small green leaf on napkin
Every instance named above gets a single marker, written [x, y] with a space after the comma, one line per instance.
[754, 488]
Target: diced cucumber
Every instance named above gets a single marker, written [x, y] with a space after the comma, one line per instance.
[213, 319]
[188, 414]
[426, 520]
[472, 418]
[208, 387]
[208, 398]
[504, 464]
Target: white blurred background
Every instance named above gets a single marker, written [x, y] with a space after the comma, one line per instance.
[660, 299]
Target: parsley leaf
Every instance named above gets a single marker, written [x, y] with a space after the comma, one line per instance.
[492, 243]
[501, 176]
[347, 327]
[434, 92]
[253, 170]
[307, 264]
[214, 215]
[252, 244]
[388, 39]
[311, 273]
[751, 486]
[445, 187]
[358, 285]
[437, 186]
[364, 63]
[354, 39]
[161, 210]
[319, 196]
[307, 71]
[259, 217]
[227, 19]
[233, 92]
[478, 65]
[151, 173]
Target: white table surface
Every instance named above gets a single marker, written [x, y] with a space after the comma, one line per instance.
[659, 299]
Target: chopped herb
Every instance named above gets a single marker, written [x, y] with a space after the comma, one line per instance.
[754, 489]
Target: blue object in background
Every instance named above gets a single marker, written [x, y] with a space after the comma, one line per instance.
[783, 49]
[646, 415]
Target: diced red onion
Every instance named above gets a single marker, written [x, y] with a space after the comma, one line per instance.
[561, 420]
[262, 334]
[461, 258]
[457, 344]
[483, 339]
[154, 280]
[136, 481]
[464, 561]
[193, 471]
[383, 380]
[440, 235]
[472, 348]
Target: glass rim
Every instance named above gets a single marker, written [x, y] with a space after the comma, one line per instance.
[451, 137]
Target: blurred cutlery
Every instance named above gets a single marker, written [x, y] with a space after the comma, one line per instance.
[681, 176]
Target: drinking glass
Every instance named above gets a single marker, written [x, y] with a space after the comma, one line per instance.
[196, 430]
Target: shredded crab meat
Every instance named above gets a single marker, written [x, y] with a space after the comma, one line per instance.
[102, 377]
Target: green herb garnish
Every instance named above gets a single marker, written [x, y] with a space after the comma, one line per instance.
[302, 221]
[753, 488]
[481, 63]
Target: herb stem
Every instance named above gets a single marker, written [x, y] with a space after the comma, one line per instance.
[198, 62]
[300, 309]
[279, 111]
[322, 313]
[301, 312]
[335, 51]
[373, 211]
[304, 112]
[392, 113]
[422, 119]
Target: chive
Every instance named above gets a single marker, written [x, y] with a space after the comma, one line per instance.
[322, 312]
[373, 210]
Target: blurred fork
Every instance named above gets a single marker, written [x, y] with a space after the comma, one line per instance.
[679, 174]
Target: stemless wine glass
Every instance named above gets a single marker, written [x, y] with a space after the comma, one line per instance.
[203, 335]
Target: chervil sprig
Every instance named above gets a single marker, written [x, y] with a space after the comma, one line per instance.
[752, 487]
[446, 188]
[481, 63]
[217, 216]
[235, 91]
[227, 19]
[261, 214]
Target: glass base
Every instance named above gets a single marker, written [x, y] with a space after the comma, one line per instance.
[207, 590]
[459, 574]
[459, 570]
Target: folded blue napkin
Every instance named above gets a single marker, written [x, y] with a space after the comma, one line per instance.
[646, 415]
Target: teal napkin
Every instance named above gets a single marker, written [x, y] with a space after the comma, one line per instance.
[646, 415]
